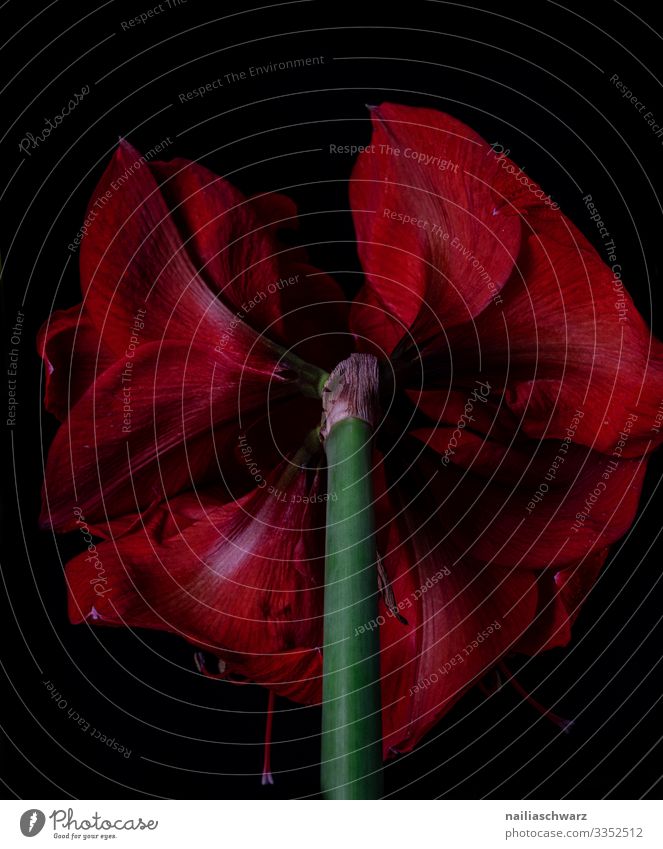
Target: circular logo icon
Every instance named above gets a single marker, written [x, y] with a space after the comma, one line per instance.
[32, 822]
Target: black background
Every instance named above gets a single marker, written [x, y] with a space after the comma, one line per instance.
[534, 78]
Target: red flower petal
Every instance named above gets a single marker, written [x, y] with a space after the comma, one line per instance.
[241, 580]
[462, 618]
[451, 588]
[532, 509]
[561, 595]
[142, 433]
[314, 318]
[232, 241]
[232, 248]
[433, 243]
[133, 258]
[473, 406]
[568, 336]
[74, 356]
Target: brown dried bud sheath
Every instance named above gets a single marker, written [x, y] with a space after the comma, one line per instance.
[351, 392]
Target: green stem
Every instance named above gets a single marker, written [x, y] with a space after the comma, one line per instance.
[310, 378]
[351, 716]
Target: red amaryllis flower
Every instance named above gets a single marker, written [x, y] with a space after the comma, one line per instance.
[519, 390]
